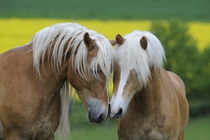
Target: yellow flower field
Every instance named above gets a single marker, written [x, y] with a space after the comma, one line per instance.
[16, 32]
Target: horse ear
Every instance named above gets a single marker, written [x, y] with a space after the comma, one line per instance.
[120, 40]
[143, 42]
[88, 41]
[113, 42]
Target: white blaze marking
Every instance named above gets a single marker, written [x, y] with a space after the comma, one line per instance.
[123, 80]
[118, 101]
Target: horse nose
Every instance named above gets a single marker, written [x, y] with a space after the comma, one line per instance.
[117, 115]
[97, 119]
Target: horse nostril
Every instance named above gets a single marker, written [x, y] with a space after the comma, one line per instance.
[100, 118]
[119, 113]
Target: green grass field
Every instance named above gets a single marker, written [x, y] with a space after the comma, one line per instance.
[82, 129]
[107, 9]
[198, 129]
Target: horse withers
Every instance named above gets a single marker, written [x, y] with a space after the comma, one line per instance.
[34, 91]
[150, 101]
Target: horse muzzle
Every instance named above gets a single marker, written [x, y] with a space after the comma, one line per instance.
[95, 117]
[115, 114]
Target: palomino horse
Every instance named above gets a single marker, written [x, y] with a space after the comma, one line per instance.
[34, 92]
[151, 100]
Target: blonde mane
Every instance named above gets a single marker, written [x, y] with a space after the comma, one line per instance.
[131, 55]
[53, 40]
[58, 36]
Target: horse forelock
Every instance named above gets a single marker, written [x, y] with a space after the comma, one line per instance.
[55, 38]
[104, 58]
[130, 55]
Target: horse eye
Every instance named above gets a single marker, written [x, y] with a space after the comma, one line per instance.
[99, 71]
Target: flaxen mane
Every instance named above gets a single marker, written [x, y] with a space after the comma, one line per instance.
[131, 55]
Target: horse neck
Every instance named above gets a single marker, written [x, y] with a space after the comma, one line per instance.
[49, 78]
[147, 100]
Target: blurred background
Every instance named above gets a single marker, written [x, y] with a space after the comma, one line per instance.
[183, 27]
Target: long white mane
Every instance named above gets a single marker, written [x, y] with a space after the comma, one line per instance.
[131, 55]
[71, 34]
[59, 40]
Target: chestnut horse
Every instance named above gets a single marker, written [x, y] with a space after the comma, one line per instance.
[150, 100]
[34, 91]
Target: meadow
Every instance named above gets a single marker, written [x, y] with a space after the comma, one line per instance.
[82, 129]
[15, 32]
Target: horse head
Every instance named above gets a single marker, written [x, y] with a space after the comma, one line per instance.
[136, 54]
[90, 78]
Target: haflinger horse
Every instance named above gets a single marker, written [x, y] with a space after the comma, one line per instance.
[34, 91]
[150, 101]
